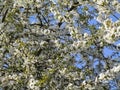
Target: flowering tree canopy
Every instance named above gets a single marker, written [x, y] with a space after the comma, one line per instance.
[59, 44]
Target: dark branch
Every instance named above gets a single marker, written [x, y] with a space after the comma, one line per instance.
[4, 16]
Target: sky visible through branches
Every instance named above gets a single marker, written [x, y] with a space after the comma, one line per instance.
[106, 51]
